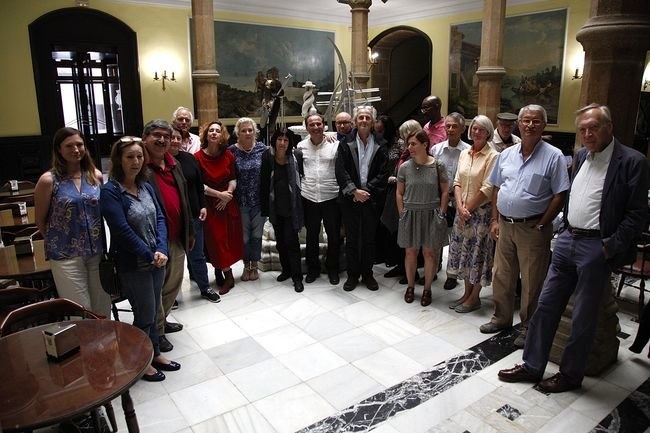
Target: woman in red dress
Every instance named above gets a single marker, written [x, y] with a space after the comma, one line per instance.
[222, 226]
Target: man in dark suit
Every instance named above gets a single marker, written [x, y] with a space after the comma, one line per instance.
[606, 212]
[362, 175]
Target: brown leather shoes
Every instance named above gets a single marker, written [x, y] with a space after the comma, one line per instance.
[426, 297]
[557, 383]
[518, 373]
[409, 295]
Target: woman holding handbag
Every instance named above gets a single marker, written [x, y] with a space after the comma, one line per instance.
[422, 197]
[138, 242]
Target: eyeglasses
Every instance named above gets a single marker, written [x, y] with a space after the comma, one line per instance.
[531, 122]
[158, 136]
[425, 109]
[130, 139]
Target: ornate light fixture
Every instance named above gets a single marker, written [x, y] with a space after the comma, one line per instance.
[163, 77]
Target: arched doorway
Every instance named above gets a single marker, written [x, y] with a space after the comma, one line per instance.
[86, 75]
[402, 72]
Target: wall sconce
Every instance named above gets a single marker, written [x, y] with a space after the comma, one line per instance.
[577, 75]
[163, 77]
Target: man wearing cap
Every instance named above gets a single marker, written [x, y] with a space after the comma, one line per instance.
[530, 182]
[503, 136]
[435, 126]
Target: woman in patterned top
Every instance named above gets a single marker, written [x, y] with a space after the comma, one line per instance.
[248, 159]
[66, 202]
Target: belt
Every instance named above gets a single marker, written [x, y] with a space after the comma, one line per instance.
[511, 220]
[583, 233]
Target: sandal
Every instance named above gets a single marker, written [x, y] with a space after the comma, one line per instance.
[409, 295]
[426, 297]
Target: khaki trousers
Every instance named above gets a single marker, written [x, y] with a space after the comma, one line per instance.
[521, 248]
[173, 281]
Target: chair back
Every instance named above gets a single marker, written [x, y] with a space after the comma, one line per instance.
[27, 198]
[40, 313]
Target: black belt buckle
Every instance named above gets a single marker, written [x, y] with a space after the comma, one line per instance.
[584, 233]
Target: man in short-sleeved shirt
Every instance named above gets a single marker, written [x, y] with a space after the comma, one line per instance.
[530, 180]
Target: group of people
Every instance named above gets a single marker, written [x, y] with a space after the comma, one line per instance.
[173, 194]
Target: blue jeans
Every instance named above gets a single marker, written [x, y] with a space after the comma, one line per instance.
[252, 223]
[196, 258]
[142, 289]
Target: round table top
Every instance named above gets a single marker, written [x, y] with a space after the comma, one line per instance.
[35, 392]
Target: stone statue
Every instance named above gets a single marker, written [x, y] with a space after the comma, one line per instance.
[308, 99]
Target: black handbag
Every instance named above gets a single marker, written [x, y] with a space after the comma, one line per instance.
[108, 276]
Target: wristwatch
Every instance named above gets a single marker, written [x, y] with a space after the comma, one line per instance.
[539, 227]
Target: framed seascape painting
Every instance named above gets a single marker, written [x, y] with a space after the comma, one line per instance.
[533, 53]
[254, 61]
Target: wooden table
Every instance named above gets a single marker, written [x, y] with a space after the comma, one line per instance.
[35, 392]
[24, 267]
[11, 222]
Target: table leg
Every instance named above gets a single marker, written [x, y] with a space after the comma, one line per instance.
[129, 413]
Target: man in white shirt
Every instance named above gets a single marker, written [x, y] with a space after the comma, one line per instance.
[448, 152]
[316, 160]
[605, 214]
[182, 118]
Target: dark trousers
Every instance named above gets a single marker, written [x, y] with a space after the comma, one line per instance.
[329, 213]
[643, 333]
[142, 289]
[579, 265]
[196, 261]
[361, 221]
[288, 245]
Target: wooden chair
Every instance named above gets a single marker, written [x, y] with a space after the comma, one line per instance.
[638, 271]
[52, 311]
[27, 198]
[13, 297]
[22, 185]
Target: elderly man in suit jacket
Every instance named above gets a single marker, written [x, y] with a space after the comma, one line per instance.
[606, 212]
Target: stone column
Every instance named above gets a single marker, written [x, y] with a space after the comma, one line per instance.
[205, 72]
[615, 39]
[359, 67]
[491, 70]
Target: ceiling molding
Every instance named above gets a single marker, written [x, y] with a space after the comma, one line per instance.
[393, 12]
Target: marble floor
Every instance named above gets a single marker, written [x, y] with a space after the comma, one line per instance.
[269, 360]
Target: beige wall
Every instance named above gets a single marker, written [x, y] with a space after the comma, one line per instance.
[438, 30]
[163, 42]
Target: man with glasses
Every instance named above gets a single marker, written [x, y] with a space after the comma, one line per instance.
[435, 126]
[166, 177]
[530, 182]
[343, 123]
[182, 118]
[503, 136]
[605, 213]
